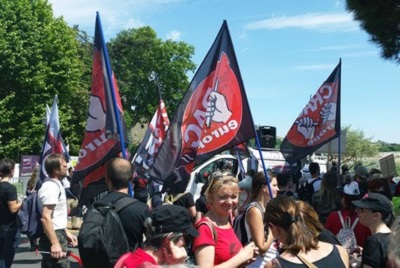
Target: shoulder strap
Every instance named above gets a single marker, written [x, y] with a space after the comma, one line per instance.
[57, 185]
[341, 219]
[305, 262]
[123, 203]
[354, 223]
[211, 226]
[177, 197]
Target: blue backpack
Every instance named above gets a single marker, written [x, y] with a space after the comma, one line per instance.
[29, 217]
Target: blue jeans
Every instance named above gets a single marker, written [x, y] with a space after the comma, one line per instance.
[9, 241]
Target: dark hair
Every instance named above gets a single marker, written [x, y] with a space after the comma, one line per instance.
[34, 176]
[329, 187]
[156, 241]
[258, 182]
[375, 185]
[119, 172]
[283, 212]
[7, 166]
[313, 168]
[52, 163]
[283, 178]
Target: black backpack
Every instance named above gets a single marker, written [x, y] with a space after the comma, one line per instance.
[102, 238]
[306, 191]
[239, 223]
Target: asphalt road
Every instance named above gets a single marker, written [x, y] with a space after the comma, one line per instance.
[24, 258]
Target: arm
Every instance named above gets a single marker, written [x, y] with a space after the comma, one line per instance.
[14, 206]
[192, 211]
[256, 225]
[344, 255]
[56, 250]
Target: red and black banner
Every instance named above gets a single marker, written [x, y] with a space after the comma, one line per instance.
[318, 123]
[213, 116]
[153, 138]
[101, 141]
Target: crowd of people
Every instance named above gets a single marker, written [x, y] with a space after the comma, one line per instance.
[324, 220]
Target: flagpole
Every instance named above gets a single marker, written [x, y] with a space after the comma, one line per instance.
[340, 118]
[262, 161]
[110, 81]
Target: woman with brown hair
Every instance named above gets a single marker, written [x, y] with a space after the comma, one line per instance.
[217, 244]
[254, 218]
[299, 246]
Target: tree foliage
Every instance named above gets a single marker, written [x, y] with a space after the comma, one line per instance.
[136, 56]
[358, 147]
[38, 59]
[381, 20]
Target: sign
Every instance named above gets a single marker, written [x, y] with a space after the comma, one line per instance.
[28, 163]
[388, 166]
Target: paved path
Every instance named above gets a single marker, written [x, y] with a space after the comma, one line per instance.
[24, 258]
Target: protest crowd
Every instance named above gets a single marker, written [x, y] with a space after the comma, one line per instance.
[137, 212]
[284, 228]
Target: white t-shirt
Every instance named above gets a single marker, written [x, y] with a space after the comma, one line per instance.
[49, 194]
[316, 185]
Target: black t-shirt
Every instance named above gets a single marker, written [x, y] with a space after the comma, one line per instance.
[328, 237]
[132, 218]
[201, 204]
[375, 250]
[185, 201]
[8, 192]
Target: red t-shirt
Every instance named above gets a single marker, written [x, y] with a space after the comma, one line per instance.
[227, 246]
[334, 225]
[137, 259]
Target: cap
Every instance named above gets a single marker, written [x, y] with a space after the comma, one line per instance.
[375, 201]
[362, 172]
[172, 218]
[351, 189]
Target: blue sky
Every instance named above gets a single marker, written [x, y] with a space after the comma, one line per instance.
[285, 50]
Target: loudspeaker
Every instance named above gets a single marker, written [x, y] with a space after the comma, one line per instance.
[267, 136]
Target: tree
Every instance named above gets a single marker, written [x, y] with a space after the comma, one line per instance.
[137, 56]
[357, 147]
[38, 59]
[380, 19]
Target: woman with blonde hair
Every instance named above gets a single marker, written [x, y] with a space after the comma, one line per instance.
[254, 218]
[300, 247]
[217, 244]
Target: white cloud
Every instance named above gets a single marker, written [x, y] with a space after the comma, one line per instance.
[174, 35]
[323, 22]
[114, 16]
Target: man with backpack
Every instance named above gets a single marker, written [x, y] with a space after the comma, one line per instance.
[312, 185]
[115, 224]
[53, 205]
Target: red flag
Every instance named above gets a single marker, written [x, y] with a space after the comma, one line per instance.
[155, 134]
[213, 116]
[318, 123]
[53, 142]
[101, 142]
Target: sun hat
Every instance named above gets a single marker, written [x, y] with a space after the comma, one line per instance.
[362, 172]
[351, 189]
[172, 218]
[376, 202]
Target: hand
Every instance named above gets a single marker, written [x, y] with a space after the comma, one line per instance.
[249, 252]
[177, 252]
[306, 126]
[328, 112]
[56, 251]
[72, 240]
[217, 108]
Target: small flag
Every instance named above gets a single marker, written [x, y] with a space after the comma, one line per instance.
[318, 123]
